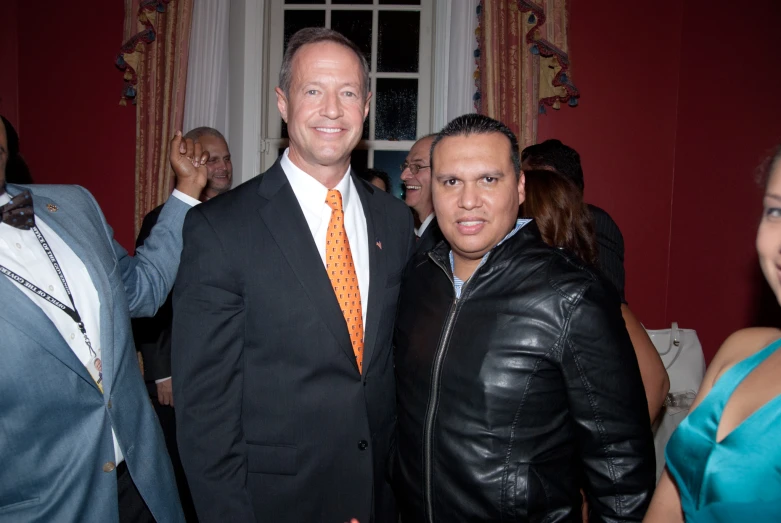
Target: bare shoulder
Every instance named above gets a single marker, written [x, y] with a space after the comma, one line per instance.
[741, 345]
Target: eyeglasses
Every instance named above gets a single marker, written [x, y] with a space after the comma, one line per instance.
[413, 167]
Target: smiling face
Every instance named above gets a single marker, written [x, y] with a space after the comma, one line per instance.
[324, 108]
[418, 186]
[219, 168]
[476, 195]
[769, 233]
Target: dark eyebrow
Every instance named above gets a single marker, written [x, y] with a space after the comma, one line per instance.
[491, 174]
[442, 176]
[773, 196]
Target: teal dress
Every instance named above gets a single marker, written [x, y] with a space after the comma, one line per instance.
[738, 479]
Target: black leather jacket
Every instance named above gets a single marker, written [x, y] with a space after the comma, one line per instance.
[519, 393]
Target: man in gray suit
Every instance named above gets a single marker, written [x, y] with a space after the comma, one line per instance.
[79, 440]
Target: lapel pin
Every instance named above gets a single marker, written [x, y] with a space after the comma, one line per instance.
[379, 244]
[51, 207]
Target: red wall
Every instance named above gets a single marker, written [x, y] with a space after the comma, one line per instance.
[72, 129]
[9, 64]
[625, 63]
[729, 117]
[678, 106]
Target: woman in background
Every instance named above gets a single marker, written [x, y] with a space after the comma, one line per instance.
[564, 220]
[724, 460]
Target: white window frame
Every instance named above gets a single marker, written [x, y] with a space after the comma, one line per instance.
[449, 94]
[272, 140]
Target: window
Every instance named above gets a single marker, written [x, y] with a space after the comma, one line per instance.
[396, 38]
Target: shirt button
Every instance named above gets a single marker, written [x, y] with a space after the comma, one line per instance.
[18, 245]
[109, 404]
[362, 445]
[51, 287]
[73, 336]
[109, 466]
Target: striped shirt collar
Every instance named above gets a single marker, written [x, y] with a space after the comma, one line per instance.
[457, 282]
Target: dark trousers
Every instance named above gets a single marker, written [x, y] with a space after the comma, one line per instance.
[167, 418]
[132, 508]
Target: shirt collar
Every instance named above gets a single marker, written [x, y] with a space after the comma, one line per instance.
[457, 282]
[310, 193]
[5, 198]
[424, 225]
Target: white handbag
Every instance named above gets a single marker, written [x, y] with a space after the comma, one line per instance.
[682, 356]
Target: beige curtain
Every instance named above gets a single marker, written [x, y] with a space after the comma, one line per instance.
[154, 59]
[523, 65]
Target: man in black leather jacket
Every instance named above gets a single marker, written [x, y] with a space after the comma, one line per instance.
[517, 383]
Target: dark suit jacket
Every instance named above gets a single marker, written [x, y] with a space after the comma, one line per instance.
[431, 237]
[611, 248]
[153, 335]
[274, 420]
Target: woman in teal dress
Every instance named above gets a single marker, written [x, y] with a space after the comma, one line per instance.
[724, 461]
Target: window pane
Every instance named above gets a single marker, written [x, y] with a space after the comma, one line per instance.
[389, 162]
[362, 2]
[399, 2]
[295, 20]
[359, 160]
[397, 109]
[304, 1]
[398, 38]
[357, 26]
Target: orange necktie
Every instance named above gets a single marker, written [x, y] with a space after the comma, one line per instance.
[341, 272]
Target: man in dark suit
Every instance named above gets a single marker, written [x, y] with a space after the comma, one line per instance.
[153, 335]
[283, 314]
[416, 176]
[556, 156]
[552, 155]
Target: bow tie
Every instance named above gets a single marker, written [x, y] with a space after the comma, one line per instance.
[19, 211]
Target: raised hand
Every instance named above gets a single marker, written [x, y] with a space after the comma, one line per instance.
[188, 160]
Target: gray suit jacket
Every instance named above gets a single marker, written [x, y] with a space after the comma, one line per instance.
[55, 425]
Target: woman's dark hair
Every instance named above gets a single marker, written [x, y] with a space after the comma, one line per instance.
[765, 169]
[557, 206]
[16, 170]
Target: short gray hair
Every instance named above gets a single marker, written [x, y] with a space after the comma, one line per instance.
[196, 133]
[314, 35]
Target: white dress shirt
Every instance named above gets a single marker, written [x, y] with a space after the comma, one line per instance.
[22, 253]
[311, 196]
[424, 225]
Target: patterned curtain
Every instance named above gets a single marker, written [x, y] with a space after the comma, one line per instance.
[154, 58]
[522, 62]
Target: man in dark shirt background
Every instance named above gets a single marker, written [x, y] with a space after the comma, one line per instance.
[553, 155]
[153, 335]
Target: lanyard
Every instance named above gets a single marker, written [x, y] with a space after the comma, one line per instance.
[70, 311]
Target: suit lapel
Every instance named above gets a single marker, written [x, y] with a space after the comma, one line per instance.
[33, 320]
[285, 221]
[375, 226]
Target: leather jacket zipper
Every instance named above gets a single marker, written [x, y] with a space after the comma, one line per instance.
[433, 401]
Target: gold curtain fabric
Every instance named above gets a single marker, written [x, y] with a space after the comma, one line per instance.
[523, 65]
[157, 35]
